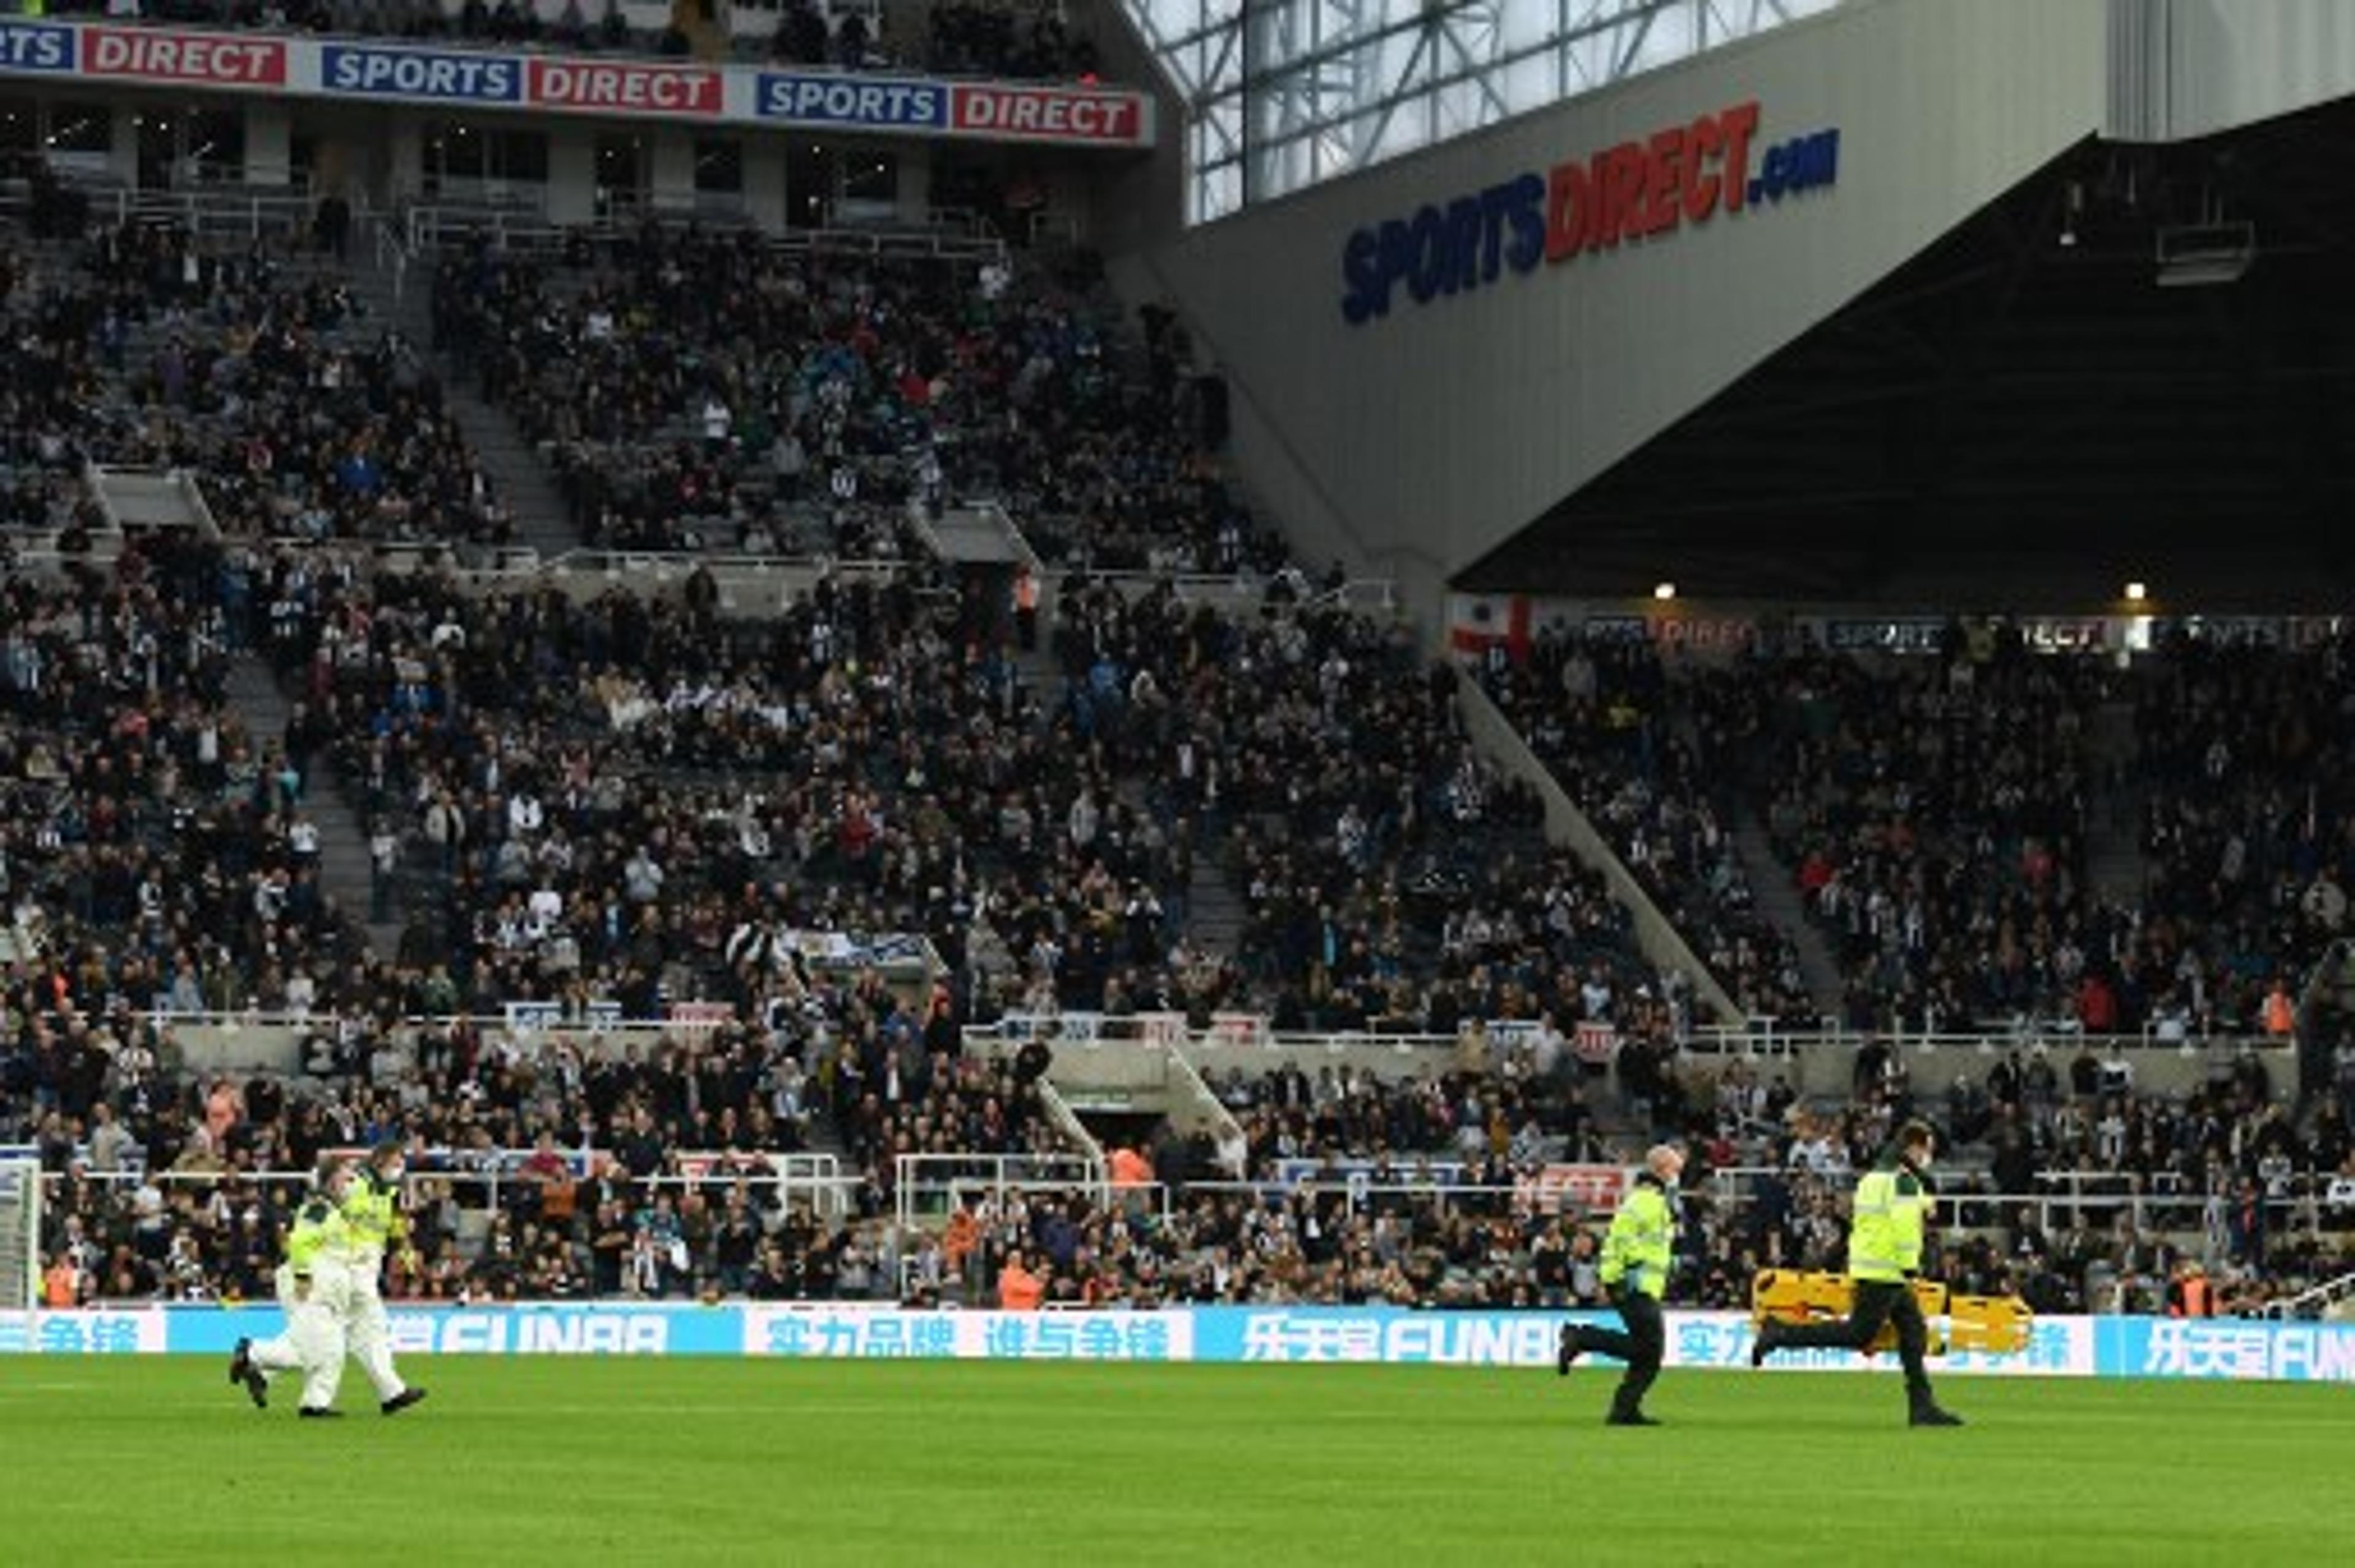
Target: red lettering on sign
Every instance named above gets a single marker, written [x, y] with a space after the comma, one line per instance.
[183, 57]
[1739, 124]
[1641, 189]
[1045, 111]
[628, 89]
[1569, 201]
[1700, 185]
[1663, 184]
[1620, 174]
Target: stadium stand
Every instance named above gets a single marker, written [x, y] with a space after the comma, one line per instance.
[1655, 767]
[248, 361]
[154, 849]
[643, 797]
[705, 390]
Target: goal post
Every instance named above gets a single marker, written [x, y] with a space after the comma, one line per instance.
[20, 1235]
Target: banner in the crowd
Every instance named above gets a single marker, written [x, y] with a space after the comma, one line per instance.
[851, 950]
[1565, 1187]
[2202, 1349]
[547, 81]
[1399, 1171]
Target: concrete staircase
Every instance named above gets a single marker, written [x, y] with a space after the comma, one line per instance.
[2116, 872]
[344, 874]
[519, 478]
[1215, 916]
[1775, 897]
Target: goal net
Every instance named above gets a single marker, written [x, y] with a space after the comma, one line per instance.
[20, 1235]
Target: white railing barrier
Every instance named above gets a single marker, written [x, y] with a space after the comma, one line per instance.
[2316, 1302]
[1766, 1038]
[926, 1187]
[952, 236]
[815, 1175]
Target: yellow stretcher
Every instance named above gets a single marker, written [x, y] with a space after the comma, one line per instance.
[1998, 1324]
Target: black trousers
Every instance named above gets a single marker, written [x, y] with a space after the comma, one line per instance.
[1640, 1345]
[1878, 1302]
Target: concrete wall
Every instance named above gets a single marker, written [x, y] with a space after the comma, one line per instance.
[1416, 444]
[2228, 62]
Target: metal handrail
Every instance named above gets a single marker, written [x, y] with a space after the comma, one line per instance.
[392, 256]
[1373, 593]
[2314, 1302]
[957, 236]
[1249, 1031]
[993, 1173]
[522, 563]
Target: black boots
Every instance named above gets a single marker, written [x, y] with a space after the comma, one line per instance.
[241, 1369]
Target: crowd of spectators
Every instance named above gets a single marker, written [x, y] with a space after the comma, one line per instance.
[140, 345]
[1391, 877]
[703, 390]
[2065, 1183]
[1018, 39]
[1658, 765]
[2243, 754]
[553, 1165]
[1425, 1188]
[632, 798]
[152, 851]
[1935, 811]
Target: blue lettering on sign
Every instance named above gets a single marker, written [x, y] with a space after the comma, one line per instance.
[819, 100]
[420, 73]
[2107, 1346]
[788, 1335]
[63, 1335]
[1444, 250]
[32, 46]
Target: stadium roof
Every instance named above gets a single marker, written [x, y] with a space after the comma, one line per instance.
[1281, 97]
[2022, 418]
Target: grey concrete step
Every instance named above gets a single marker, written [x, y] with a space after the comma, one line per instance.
[345, 877]
[522, 481]
[1775, 897]
[2116, 869]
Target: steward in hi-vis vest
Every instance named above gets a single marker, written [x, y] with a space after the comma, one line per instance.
[1638, 1253]
[1884, 1250]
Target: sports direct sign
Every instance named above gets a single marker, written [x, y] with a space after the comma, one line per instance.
[579, 84]
[1643, 189]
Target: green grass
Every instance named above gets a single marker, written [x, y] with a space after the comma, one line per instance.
[532, 1461]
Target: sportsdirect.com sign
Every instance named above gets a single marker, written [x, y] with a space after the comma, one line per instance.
[1640, 190]
[579, 84]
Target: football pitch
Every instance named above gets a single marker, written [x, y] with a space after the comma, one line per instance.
[621, 1461]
